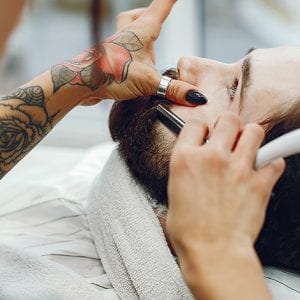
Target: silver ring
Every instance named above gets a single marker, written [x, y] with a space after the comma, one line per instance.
[163, 86]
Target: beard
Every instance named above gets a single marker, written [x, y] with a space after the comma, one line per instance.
[146, 150]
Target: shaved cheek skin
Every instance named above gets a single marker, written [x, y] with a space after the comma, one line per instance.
[167, 135]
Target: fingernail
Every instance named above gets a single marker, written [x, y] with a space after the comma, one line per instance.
[195, 97]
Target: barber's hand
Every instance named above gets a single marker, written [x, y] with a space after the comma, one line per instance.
[216, 197]
[123, 66]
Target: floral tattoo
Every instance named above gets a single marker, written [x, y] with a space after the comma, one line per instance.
[24, 121]
[24, 118]
[99, 66]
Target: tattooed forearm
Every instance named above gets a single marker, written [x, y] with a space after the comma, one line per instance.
[31, 95]
[24, 121]
[24, 118]
[99, 66]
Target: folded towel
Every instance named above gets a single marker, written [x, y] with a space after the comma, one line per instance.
[132, 246]
[129, 238]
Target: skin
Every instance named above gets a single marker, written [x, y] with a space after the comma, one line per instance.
[214, 243]
[262, 98]
[231, 216]
[30, 112]
[121, 67]
[211, 230]
[10, 13]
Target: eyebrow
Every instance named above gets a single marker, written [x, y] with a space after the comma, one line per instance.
[250, 50]
[246, 79]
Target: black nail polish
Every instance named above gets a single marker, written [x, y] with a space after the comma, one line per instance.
[195, 97]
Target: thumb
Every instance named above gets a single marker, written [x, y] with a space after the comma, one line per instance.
[183, 93]
[272, 172]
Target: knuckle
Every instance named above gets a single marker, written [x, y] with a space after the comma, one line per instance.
[121, 15]
[242, 171]
[180, 154]
[277, 168]
[150, 76]
[196, 123]
[261, 189]
[184, 62]
[174, 89]
[256, 129]
[181, 158]
[281, 166]
[215, 156]
[148, 81]
[230, 117]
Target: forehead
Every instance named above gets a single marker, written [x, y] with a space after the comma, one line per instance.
[276, 69]
[288, 52]
[274, 74]
[284, 61]
[274, 77]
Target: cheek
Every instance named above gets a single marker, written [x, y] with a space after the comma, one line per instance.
[207, 113]
[168, 136]
[258, 106]
[189, 113]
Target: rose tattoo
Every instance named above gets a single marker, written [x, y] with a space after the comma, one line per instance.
[24, 116]
[99, 66]
[24, 121]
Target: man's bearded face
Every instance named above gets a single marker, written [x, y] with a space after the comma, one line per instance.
[262, 86]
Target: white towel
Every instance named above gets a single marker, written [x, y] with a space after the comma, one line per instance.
[46, 250]
[129, 238]
[132, 246]
[28, 277]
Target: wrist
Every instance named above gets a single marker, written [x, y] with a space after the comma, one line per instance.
[198, 257]
[80, 77]
[224, 272]
[188, 247]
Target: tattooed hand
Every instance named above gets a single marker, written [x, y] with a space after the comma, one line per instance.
[123, 66]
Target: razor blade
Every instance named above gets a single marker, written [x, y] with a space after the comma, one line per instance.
[283, 146]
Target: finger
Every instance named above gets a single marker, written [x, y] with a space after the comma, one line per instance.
[249, 142]
[271, 173]
[226, 131]
[126, 18]
[193, 133]
[184, 93]
[159, 10]
[90, 102]
[152, 54]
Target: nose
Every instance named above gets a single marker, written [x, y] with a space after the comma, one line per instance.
[194, 69]
[190, 68]
[185, 65]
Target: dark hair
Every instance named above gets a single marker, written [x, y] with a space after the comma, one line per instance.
[133, 125]
[279, 241]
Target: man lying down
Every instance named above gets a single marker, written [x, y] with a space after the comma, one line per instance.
[263, 87]
[124, 219]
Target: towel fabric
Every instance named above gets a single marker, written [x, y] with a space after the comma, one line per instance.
[129, 239]
[26, 276]
[132, 246]
[46, 249]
